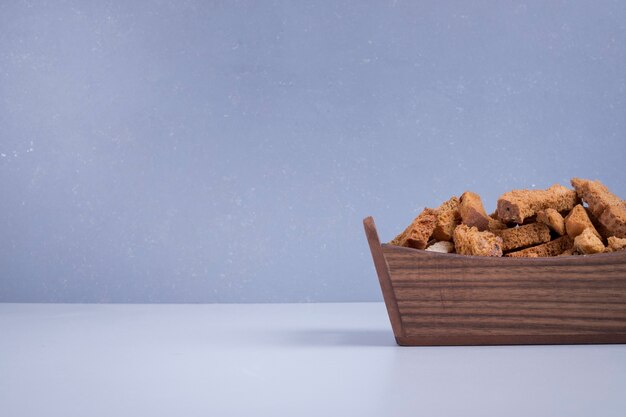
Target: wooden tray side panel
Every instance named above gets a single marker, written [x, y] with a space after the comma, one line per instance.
[384, 279]
[456, 300]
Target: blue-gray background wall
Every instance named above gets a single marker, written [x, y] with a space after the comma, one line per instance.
[192, 151]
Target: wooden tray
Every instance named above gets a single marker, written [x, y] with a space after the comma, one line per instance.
[449, 299]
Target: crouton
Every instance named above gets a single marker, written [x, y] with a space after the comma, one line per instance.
[552, 219]
[448, 218]
[517, 205]
[523, 236]
[608, 208]
[616, 243]
[419, 231]
[553, 248]
[577, 221]
[471, 241]
[613, 218]
[595, 194]
[473, 213]
[588, 242]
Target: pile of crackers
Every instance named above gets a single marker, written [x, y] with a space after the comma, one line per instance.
[557, 221]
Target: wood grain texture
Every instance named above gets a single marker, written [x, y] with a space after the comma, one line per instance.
[449, 299]
[383, 276]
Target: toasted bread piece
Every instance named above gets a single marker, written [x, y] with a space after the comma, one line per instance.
[552, 219]
[517, 205]
[613, 218]
[577, 221]
[569, 252]
[616, 243]
[604, 232]
[608, 208]
[595, 194]
[448, 218]
[473, 213]
[419, 231]
[588, 242]
[444, 247]
[471, 241]
[523, 236]
[553, 248]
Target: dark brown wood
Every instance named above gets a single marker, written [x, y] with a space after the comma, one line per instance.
[449, 299]
[382, 271]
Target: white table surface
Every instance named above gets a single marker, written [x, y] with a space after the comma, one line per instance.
[280, 359]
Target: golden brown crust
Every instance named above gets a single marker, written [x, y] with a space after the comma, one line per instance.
[462, 225]
[419, 231]
[613, 218]
[473, 213]
[608, 208]
[448, 218]
[577, 221]
[553, 248]
[471, 241]
[588, 243]
[599, 227]
[595, 194]
[552, 219]
[523, 236]
[517, 205]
